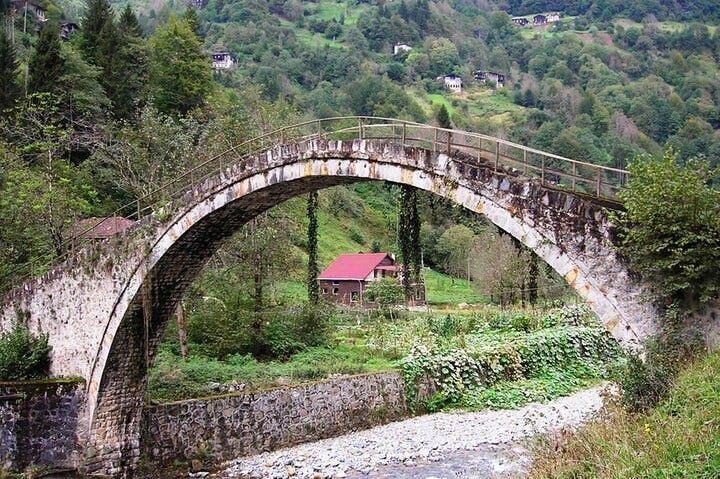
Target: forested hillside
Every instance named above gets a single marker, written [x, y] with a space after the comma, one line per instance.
[608, 81]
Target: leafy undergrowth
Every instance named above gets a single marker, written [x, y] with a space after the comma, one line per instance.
[484, 358]
[510, 360]
[680, 438]
[545, 386]
[172, 379]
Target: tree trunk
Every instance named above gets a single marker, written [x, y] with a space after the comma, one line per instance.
[182, 330]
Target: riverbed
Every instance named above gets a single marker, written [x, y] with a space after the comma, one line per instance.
[457, 445]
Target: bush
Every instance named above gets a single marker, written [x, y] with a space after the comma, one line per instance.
[357, 236]
[644, 383]
[23, 355]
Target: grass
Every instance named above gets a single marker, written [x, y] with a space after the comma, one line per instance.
[172, 379]
[548, 385]
[440, 99]
[448, 291]
[680, 438]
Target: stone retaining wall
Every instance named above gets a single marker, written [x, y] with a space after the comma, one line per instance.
[38, 423]
[227, 427]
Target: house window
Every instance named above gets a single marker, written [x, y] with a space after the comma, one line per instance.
[324, 290]
[336, 283]
[336, 291]
[354, 296]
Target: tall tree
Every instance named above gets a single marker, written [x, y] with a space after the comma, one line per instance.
[180, 76]
[193, 21]
[9, 89]
[409, 239]
[47, 64]
[312, 247]
[123, 60]
[99, 12]
[129, 24]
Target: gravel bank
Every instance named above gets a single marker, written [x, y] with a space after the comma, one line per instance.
[436, 445]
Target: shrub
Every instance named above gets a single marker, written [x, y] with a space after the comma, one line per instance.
[23, 355]
[644, 382]
[357, 236]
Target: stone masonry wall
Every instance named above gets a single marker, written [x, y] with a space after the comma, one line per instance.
[243, 424]
[38, 422]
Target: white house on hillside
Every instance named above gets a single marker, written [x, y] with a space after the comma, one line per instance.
[401, 47]
[222, 60]
[452, 82]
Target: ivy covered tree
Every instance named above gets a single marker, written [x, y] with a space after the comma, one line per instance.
[409, 239]
[9, 89]
[180, 77]
[312, 249]
[671, 228]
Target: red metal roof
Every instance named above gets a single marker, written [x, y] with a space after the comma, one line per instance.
[353, 266]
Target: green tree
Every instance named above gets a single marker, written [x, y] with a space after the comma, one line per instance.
[386, 293]
[670, 231]
[443, 56]
[9, 89]
[193, 21]
[312, 249]
[180, 77]
[98, 13]
[443, 117]
[123, 61]
[129, 24]
[47, 64]
[455, 246]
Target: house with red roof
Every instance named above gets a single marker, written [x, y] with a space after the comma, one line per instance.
[345, 280]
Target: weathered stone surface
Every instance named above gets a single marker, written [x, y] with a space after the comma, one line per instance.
[242, 424]
[38, 420]
[92, 306]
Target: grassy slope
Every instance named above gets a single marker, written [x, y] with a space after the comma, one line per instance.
[680, 438]
[445, 290]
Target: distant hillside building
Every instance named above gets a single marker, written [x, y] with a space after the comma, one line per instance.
[222, 60]
[452, 82]
[401, 48]
[349, 275]
[484, 76]
[520, 21]
[67, 29]
[19, 6]
[540, 19]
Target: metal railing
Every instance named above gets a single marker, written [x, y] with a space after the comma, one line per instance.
[593, 181]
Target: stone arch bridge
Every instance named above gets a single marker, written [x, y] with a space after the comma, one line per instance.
[105, 307]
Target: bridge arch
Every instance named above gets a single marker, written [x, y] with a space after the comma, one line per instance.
[568, 232]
